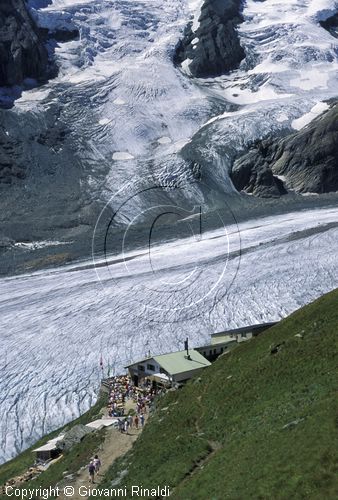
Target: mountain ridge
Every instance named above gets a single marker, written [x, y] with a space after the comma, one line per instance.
[304, 161]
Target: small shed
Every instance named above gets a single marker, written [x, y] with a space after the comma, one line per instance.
[50, 450]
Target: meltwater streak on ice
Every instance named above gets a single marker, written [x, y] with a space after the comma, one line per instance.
[55, 323]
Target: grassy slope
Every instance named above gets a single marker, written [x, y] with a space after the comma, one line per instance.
[223, 435]
[71, 461]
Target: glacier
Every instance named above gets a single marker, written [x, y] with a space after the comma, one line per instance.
[56, 324]
[137, 116]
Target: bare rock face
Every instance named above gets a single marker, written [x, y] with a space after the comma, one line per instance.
[213, 48]
[22, 52]
[304, 162]
[331, 25]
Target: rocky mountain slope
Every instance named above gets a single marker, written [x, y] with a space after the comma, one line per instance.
[22, 52]
[331, 24]
[305, 161]
[210, 44]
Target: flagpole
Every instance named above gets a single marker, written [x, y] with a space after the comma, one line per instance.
[101, 365]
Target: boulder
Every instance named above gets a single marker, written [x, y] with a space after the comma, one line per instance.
[73, 436]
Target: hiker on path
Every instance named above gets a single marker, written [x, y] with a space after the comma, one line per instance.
[126, 424]
[130, 421]
[142, 420]
[121, 426]
[91, 470]
[136, 421]
[97, 463]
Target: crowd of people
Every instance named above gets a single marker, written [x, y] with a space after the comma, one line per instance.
[130, 404]
[131, 421]
[121, 390]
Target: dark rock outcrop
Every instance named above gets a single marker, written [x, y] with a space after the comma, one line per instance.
[331, 25]
[73, 437]
[305, 161]
[214, 47]
[22, 52]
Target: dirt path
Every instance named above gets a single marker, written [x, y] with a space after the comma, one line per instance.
[115, 445]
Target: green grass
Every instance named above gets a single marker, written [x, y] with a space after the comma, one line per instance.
[70, 460]
[254, 425]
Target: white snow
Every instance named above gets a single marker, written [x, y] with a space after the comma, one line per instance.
[164, 140]
[33, 245]
[282, 117]
[119, 101]
[104, 121]
[195, 6]
[122, 155]
[322, 9]
[281, 177]
[304, 120]
[185, 66]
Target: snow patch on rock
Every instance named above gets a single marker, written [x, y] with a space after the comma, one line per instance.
[307, 118]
